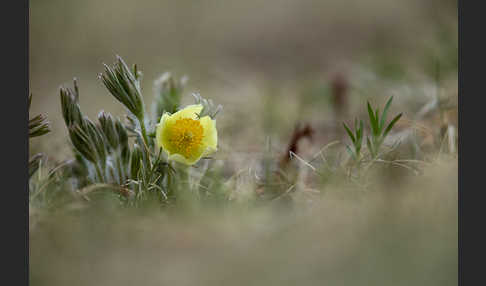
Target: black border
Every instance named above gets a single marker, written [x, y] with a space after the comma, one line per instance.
[471, 194]
[14, 133]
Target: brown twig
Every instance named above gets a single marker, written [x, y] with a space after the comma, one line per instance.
[298, 134]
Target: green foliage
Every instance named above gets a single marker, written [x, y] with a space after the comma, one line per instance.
[148, 180]
[356, 139]
[119, 157]
[46, 189]
[102, 149]
[38, 125]
[124, 85]
[136, 161]
[378, 129]
[103, 155]
[34, 164]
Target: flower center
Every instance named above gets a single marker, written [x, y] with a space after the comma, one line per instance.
[186, 136]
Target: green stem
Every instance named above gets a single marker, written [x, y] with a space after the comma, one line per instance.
[99, 173]
[144, 131]
[145, 138]
[120, 170]
[182, 190]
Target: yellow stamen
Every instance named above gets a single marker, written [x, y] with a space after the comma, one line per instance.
[186, 136]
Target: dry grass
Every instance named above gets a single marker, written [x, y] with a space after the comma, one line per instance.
[405, 234]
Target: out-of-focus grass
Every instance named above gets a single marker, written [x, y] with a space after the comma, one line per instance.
[403, 234]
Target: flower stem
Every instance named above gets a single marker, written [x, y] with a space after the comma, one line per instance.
[145, 138]
[99, 173]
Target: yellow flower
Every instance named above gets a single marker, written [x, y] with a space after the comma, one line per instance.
[185, 137]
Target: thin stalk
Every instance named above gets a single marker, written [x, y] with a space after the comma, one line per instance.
[145, 139]
[120, 170]
[99, 173]
[144, 131]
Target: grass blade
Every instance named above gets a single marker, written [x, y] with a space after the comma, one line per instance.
[349, 132]
[373, 120]
[350, 152]
[370, 147]
[385, 111]
[390, 126]
[361, 127]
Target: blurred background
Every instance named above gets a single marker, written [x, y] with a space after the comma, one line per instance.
[272, 65]
[246, 55]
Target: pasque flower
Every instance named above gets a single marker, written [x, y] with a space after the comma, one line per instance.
[185, 136]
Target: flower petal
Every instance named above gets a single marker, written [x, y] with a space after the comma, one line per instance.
[187, 161]
[210, 139]
[190, 111]
[159, 138]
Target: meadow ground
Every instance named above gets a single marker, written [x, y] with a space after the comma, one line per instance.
[404, 235]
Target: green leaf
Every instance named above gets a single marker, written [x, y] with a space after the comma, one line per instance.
[136, 161]
[350, 134]
[370, 147]
[390, 126]
[108, 129]
[385, 111]
[97, 139]
[358, 149]
[377, 119]
[361, 127]
[373, 120]
[38, 126]
[70, 105]
[81, 143]
[34, 164]
[350, 152]
[124, 85]
[370, 112]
